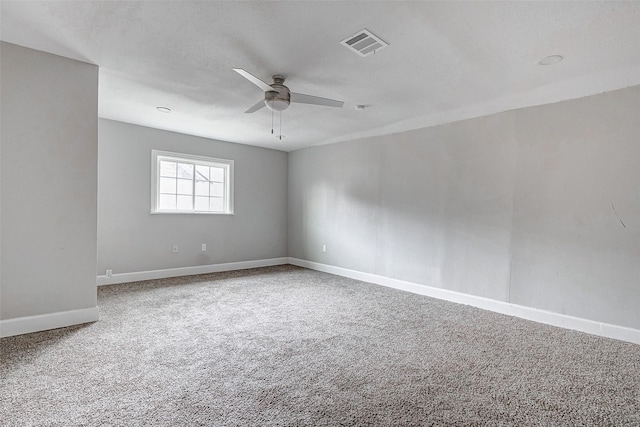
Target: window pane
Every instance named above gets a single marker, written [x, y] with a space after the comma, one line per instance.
[167, 168]
[215, 204]
[202, 203]
[202, 172]
[217, 174]
[184, 203]
[167, 201]
[185, 186]
[217, 189]
[185, 170]
[202, 188]
[168, 185]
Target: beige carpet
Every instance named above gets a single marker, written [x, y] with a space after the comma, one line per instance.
[285, 346]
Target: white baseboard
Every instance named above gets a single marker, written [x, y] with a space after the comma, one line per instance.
[542, 316]
[188, 271]
[43, 322]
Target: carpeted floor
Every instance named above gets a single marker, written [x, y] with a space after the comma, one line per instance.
[286, 346]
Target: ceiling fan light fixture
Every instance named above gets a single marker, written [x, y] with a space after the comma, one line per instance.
[275, 104]
[276, 101]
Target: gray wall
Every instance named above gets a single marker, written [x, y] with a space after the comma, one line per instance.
[525, 206]
[130, 239]
[49, 108]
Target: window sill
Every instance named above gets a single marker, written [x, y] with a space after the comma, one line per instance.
[190, 213]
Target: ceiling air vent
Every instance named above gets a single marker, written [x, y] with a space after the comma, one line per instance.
[364, 43]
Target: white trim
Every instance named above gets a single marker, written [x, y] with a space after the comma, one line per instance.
[542, 316]
[43, 322]
[188, 271]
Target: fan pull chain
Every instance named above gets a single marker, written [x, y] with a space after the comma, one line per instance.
[280, 125]
[271, 122]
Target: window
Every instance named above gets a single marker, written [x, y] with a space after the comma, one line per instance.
[184, 183]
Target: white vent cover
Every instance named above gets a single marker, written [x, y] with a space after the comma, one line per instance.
[364, 43]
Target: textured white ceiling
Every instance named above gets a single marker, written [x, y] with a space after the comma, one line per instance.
[446, 60]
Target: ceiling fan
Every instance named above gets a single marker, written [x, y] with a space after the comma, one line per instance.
[277, 96]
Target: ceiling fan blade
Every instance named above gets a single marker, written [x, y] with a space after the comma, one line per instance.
[253, 79]
[315, 100]
[258, 105]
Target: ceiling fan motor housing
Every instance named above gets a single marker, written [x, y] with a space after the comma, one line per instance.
[279, 98]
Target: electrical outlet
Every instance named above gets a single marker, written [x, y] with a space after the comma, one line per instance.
[204, 247]
[324, 248]
[175, 249]
[109, 273]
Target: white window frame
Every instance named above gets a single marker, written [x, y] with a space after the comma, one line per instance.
[227, 165]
